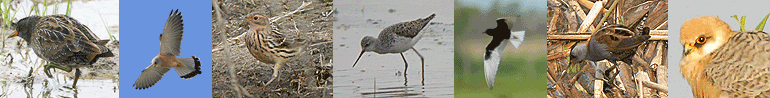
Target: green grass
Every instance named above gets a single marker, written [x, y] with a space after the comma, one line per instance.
[515, 77]
[112, 37]
[742, 22]
[42, 12]
[7, 18]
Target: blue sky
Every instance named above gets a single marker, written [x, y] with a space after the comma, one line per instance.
[142, 22]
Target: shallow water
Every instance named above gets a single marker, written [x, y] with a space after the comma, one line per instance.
[98, 81]
[383, 75]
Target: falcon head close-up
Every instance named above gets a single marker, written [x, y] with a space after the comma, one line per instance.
[702, 35]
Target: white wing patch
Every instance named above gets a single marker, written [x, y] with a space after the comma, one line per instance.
[493, 62]
[517, 37]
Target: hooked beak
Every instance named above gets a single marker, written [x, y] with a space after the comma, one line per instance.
[15, 33]
[687, 49]
[359, 57]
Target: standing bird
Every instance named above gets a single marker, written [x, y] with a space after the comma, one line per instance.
[62, 41]
[501, 35]
[270, 47]
[719, 62]
[170, 42]
[397, 38]
[612, 43]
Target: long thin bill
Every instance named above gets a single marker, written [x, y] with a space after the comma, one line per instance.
[359, 57]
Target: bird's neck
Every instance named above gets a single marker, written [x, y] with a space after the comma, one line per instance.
[379, 47]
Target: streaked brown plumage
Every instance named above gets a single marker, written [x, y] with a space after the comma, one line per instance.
[62, 41]
[270, 47]
[612, 43]
[719, 62]
[170, 42]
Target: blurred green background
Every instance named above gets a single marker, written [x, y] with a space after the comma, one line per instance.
[522, 70]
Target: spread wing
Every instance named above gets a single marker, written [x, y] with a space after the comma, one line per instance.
[150, 76]
[492, 60]
[741, 65]
[171, 38]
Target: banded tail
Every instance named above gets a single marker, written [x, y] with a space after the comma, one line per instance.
[191, 67]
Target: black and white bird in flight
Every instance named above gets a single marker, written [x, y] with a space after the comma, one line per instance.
[501, 35]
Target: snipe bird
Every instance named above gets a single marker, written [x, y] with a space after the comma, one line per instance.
[62, 41]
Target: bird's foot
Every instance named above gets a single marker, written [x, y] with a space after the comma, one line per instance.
[46, 69]
[49, 66]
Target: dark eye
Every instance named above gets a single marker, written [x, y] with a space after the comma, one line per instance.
[700, 40]
[256, 18]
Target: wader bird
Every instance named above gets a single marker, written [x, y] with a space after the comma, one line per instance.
[62, 41]
[397, 38]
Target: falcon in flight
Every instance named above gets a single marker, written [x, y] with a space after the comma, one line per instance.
[170, 40]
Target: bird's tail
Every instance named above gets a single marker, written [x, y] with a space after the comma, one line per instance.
[517, 37]
[429, 17]
[424, 22]
[190, 67]
[103, 48]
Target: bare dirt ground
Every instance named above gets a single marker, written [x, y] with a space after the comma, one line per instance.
[309, 75]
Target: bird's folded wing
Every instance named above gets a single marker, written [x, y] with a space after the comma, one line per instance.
[408, 29]
[171, 38]
[517, 37]
[150, 76]
[634, 41]
[63, 38]
[742, 64]
[616, 37]
[492, 62]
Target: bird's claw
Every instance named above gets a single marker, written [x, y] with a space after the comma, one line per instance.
[47, 72]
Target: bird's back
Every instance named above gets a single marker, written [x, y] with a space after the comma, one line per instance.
[616, 42]
[61, 39]
[740, 68]
[407, 29]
